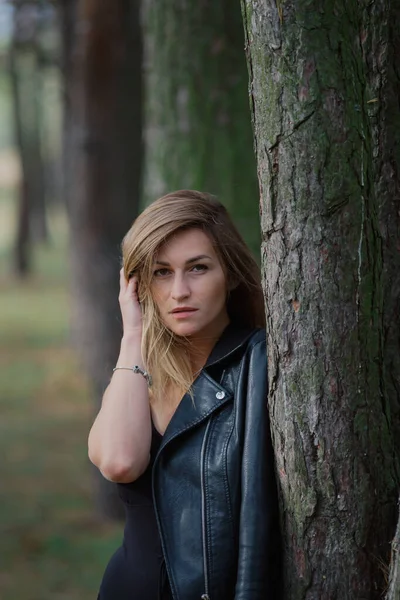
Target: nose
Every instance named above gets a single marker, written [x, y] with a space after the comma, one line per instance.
[180, 289]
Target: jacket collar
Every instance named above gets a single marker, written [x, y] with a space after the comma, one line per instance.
[233, 337]
[208, 394]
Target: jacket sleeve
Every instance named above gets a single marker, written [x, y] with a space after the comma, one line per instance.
[259, 552]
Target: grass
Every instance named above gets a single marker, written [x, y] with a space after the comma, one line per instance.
[52, 544]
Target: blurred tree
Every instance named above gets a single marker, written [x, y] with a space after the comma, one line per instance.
[199, 129]
[24, 65]
[325, 92]
[102, 64]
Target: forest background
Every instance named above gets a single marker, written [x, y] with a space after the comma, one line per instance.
[106, 105]
[60, 88]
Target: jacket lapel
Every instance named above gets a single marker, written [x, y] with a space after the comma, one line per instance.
[208, 396]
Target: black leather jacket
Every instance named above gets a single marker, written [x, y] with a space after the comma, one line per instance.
[213, 484]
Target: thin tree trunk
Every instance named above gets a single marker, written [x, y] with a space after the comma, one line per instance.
[26, 84]
[103, 144]
[23, 242]
[394, 575]
[328, 270]
[40, 230]
[199, 128]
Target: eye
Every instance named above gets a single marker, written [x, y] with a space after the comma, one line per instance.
[199, 268]
[161, 272]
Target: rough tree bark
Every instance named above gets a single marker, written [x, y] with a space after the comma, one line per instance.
[199, 128]
[324, 87]
[394, 574]
[103, 157]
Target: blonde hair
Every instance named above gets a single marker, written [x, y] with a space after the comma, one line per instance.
[165, 354]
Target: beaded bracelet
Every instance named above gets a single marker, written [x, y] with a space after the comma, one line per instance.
[139, 370]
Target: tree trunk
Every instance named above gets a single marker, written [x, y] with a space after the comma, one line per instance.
[22, 245]
[199, 132]
[324, 89]
[103, 146]
[26, 83]
[40, 230]
[394, 575]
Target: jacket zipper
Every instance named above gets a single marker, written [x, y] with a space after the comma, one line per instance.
[204, 596]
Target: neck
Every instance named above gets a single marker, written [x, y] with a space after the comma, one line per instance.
[201, 346]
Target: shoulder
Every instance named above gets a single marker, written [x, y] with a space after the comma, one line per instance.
[258, 336]
[252, 352]
[256, 352]
[250, 371]
[256, 345]
[236, 343]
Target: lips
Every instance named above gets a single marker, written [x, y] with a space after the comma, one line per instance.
[183, 309]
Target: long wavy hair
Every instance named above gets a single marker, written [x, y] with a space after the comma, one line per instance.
[165, 354]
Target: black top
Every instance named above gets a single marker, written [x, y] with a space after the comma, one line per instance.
[137, 569]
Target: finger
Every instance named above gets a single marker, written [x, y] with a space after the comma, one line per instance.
[133, 286]
[122, 281]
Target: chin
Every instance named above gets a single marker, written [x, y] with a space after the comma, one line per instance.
[184, 330]
[190, 329]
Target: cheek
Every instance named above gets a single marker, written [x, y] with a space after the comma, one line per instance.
[218, 292]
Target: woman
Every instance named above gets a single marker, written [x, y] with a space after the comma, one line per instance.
[183, 427]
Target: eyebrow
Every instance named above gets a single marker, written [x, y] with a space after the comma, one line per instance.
[188, 262]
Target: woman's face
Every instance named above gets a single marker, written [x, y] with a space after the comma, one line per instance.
[189, 286]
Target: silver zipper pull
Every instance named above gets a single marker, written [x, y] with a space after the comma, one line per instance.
[205, 597]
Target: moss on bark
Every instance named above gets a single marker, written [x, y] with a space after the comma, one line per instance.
[334, 396]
